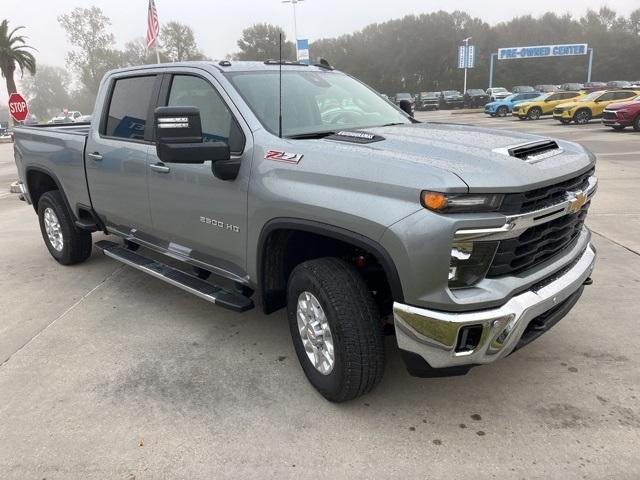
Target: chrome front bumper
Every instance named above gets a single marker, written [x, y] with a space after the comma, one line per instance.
[433, 334]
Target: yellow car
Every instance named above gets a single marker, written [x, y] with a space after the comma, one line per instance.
[591, 106]
[543, 105]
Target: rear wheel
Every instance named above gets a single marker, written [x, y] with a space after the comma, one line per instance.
[534, 113]
[636, 124]
[502, 111]
[335, 327]
[582, 117]
[66, 243]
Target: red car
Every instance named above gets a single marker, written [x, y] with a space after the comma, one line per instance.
[621, 115]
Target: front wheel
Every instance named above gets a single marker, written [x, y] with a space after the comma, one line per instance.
[565, 121]
[534, 113]
[335, 327]
[636, 124]
[618, 127]
[502, 111]
[582, 117]
[66, 243]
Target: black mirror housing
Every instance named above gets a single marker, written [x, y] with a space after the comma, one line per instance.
[405, 106]
[179, 137]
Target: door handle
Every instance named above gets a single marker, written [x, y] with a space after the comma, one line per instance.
[156, 167]
[95, 156]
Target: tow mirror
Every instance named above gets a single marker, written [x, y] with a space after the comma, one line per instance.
[179, 137]
[405, 106]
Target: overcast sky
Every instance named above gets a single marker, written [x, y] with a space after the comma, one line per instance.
[218, 24]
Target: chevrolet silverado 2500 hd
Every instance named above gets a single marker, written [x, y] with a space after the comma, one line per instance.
[329, 201]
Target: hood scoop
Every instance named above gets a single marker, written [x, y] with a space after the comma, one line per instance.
[532, 152]
[356, 136]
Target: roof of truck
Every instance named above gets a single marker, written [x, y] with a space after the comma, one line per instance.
[229, 66]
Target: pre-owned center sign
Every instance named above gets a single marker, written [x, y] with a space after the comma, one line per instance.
[542, 51]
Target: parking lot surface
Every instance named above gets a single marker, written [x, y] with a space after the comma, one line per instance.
[108, 373]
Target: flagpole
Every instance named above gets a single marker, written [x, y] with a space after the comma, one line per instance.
[157, 52]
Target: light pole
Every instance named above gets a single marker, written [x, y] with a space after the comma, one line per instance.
[295, 22]
[466, 61]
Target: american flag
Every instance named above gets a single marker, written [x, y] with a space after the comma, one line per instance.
[153, 25]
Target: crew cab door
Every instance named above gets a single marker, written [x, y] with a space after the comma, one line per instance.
[116, 155]
[195, 214]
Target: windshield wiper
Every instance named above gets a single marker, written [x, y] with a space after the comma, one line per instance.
[310, 135]
[392, 124]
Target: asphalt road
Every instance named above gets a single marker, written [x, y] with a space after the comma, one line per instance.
[107, 373]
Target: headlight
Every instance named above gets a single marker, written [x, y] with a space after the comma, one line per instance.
[469, 262]
[460, 203]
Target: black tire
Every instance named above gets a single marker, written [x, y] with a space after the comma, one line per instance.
[582, 116]
[618, 127]
[502, 111]
[534, 113]
[565, 121]
[76, 243]
[636, 124]
[354, 322]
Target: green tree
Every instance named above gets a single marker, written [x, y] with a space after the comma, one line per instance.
[179, 43]
[261, 42]
[136, 53]
[87, 30]
[47, 91]
[14, 53]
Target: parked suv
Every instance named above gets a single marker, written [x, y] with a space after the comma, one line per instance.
[475, 97]
[622, 115]
[591, 106]
[428, 101]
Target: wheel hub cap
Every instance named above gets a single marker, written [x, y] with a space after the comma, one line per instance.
[315, 333]
[52, 227]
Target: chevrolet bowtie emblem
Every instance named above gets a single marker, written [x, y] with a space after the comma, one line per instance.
[578, 199]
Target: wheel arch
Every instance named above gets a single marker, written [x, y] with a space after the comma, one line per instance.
[273, 264]
[40, 180]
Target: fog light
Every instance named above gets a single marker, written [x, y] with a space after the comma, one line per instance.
[469, 262]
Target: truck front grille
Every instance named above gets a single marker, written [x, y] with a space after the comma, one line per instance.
[539, 198]
[537, 244]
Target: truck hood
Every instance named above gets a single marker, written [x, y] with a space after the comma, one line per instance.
[478, 156]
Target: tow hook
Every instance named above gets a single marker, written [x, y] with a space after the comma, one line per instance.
[588, 281]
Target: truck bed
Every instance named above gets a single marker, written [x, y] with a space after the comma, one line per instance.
[57, 149]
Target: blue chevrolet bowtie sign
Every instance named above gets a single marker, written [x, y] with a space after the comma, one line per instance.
[542, 51]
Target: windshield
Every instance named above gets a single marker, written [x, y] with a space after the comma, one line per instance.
[403, 96]
[525, 89]
[499, 89]
[475, 91]
[314, 102]
[429, 95]
[451, 92]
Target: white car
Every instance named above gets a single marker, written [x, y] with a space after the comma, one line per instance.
[71, 116]
[497, 93]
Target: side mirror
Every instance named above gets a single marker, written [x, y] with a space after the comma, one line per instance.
[405, 106]
[179, 137]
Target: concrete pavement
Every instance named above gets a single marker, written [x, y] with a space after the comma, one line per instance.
[107, 373]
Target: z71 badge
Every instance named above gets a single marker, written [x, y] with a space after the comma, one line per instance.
[283, 156]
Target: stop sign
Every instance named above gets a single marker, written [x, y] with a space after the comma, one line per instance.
[18, 107]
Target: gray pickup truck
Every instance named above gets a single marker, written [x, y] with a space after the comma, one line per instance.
[300, 187]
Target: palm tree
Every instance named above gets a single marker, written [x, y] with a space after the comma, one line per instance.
[14, 52]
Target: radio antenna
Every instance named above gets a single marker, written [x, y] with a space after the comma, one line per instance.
[280, 92]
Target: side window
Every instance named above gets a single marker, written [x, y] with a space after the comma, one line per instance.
[605, 97]
[555, 96]
[130, 99]
[569, 95]
[623, 95]
[218, 124]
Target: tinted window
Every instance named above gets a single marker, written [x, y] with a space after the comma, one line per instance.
[218, 124]
[129, 106]
[622, 95]
[606, 97]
